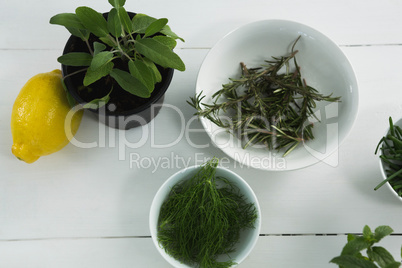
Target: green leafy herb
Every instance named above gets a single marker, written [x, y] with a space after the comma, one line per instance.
[98, 48]
[155, 27]
[351, 255]
[142, 43]
[391, 147]
[140, 70]
[130, 83]
[69, 20]
[93, 21]
[113, 23]
[77, 59]
[159, 53]
[117, 3]
[94, 74]
[265, 105]
[125, 20]
[98, 103]
[203, 217]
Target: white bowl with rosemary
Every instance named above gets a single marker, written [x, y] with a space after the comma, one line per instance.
[276, 95]
[205, 216]
[389, 149]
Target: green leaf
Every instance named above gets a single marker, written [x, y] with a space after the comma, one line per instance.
[367, 233]
[113, 23]
[94, 75]
[394, 265]
[72, 23]
[93, 21]
[100, 59]
[117, 3]
[143, 73]
[130, 83]
[107, 41]
[381, 256]
[167, 41]
[351, 237]
[352, 262]
[141, 22]
[159, 53]
[98, 103]
[382, 231]
[355, 245]
[75, 59]
[155, 27]
[68, 20]
[98, 47]
[156, 74]
[168, 32]
[83, 34]
[125, 20]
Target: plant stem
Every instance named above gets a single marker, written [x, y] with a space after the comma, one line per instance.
[76, 72]
[388, 179]
[89, 47]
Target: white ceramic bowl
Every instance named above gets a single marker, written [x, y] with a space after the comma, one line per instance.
[383, 165]
[323, 65]
[248, 237]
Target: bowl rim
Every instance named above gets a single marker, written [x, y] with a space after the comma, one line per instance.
[382, 164]
[355, 102]
[164, 189]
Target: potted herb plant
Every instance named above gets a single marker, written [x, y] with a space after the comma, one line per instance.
[118, 64]
[352, 254]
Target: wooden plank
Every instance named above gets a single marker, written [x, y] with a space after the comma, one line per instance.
[270, 251]
[203, 23]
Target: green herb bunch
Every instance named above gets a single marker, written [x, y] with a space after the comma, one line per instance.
[142, 42]
[265, 105]
[391, 147]
[203, 217]
[351, 255]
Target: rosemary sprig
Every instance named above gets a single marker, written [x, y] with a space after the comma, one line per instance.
[265, 105]
[202, 218]
[391, 147]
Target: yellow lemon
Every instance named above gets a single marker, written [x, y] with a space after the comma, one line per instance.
[39, 115]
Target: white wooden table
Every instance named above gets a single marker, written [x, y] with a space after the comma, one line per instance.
[87, 208]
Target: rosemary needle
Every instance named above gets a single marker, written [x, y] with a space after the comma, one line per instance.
[200, 221]
[265, 105]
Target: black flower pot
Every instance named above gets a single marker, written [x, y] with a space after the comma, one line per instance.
[124, 110]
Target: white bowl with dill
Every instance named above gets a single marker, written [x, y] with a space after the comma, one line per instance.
[323, 66]
[203, 233]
